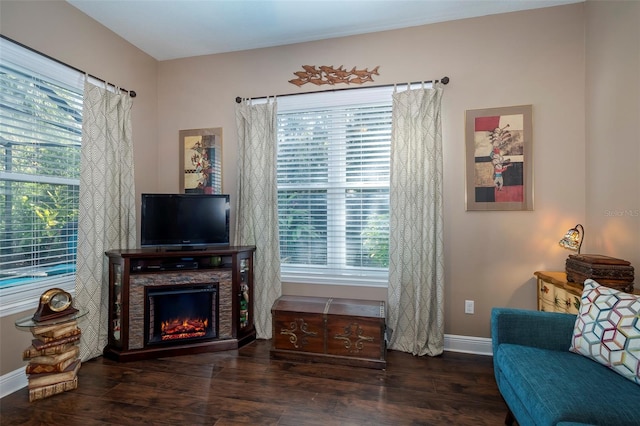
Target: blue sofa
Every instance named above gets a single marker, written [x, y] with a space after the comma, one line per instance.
[543, 383]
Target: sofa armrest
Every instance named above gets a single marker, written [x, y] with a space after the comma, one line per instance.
[546, 330]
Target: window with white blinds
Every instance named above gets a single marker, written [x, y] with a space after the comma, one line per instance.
[333, 186]
[40, 135]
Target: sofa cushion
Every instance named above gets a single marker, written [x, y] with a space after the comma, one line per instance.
[607, 329]
[561, 386]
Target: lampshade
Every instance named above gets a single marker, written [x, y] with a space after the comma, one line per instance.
[572, 240]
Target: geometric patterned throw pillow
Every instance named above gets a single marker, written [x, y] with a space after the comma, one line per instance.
[607, 329]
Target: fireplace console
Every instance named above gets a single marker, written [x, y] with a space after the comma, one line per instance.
[166, 303]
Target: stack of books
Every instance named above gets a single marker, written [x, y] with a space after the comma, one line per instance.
[53, 359]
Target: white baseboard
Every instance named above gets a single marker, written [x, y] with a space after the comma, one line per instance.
[468, 344]
[16, 380]
[13, 381]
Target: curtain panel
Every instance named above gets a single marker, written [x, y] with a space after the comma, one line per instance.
[416, 254]
[107, 211]
[256, 205]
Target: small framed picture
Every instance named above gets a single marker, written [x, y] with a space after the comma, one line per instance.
[499, 160]
[201, 161]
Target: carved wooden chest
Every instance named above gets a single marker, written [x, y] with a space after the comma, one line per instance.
[607, 271]
[339, 331]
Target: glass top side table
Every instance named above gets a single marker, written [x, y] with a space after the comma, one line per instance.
[53, 361]
[28, 322]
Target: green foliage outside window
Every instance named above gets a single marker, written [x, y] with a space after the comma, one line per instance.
[40, 136]
[376, 240]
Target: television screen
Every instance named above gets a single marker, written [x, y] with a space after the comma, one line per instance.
[186, 220]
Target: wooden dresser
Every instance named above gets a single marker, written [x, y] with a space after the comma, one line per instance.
[339, 331]
[556, 294]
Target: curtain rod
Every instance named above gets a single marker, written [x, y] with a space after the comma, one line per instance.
[131, 93]
[443, 80]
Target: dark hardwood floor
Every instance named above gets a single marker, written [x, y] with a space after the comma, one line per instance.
[247, 387]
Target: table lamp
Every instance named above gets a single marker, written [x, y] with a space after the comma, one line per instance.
[572, 240]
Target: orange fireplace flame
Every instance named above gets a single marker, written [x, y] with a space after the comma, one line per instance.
[185, 328]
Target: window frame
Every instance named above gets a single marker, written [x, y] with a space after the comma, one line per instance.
[24, 296]
[356, 276]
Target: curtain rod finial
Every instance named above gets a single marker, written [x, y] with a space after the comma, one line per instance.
[445, 80]
[132, 93]
[238, 99]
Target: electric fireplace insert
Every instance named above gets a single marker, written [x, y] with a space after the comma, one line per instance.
[180, 314]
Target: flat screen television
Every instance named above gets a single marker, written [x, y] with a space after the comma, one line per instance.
[184, 221]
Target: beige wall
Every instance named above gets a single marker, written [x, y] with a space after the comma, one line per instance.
[12, 343]
[61, 31]
[535, 57]
[613, 130]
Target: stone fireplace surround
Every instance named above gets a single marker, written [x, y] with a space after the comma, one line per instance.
[137, 300]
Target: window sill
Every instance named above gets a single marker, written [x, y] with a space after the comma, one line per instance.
[374, 280]
[22, 298]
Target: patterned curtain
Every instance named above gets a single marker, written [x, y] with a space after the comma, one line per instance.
[107, 212]
[257, 205]
[416, 257]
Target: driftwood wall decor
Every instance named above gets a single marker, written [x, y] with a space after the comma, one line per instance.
[331, 75]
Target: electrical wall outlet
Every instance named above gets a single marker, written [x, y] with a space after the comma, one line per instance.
[468, 306]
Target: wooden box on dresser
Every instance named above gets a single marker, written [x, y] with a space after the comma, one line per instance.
[338, 331]
[133, 272]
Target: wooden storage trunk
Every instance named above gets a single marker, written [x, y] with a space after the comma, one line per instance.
[608, 271]
[339, 331]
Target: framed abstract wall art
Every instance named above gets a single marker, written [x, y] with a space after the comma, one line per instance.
[499, 172]
[201, 161]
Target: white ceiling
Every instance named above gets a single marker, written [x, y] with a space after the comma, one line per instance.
[172, 29]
